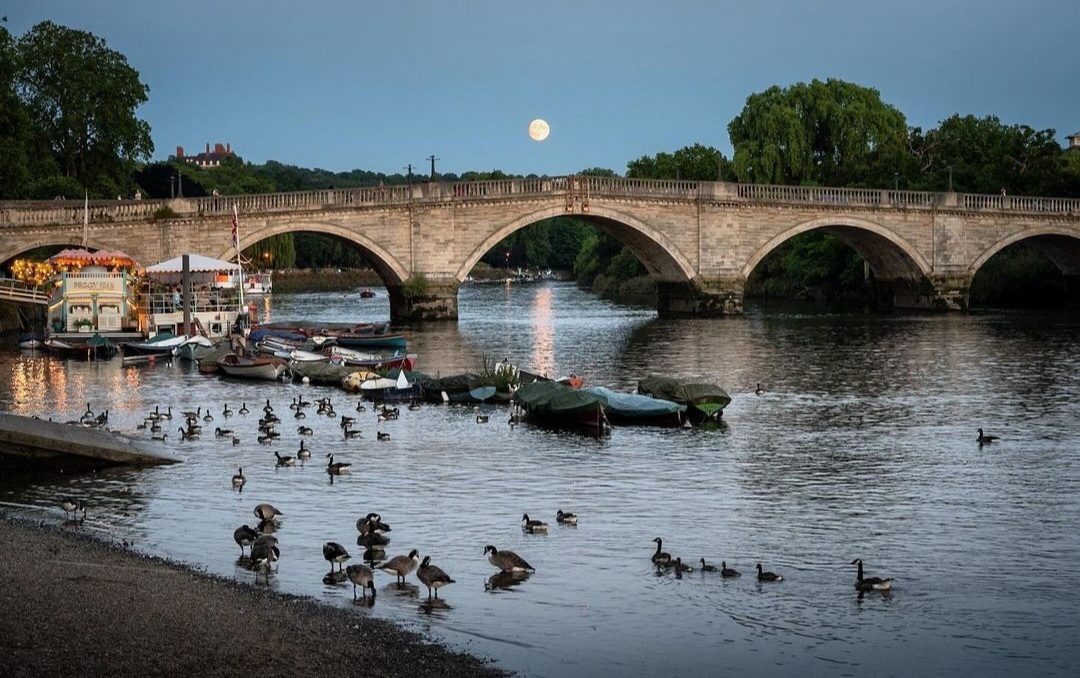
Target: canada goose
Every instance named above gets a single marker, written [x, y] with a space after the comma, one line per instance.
[156, 414]
[235, 440]
[72, 506]
[413, 405]
[88, 415]
[208, 417]
[226, 412]
[660, 557]
[244, 536]
[334, 553]
[155, 427]
[351, 432]
[371, 539]
[372, 522]
[187, 434]
[402, 566]
[680, 567]
[759, 390]
[303, 452]
[360, 407]
[706, 567]
[363, 576]
[243, 409]
[167, 414]
[268, 408]
[533, 526]
[482, 419]
[382, 436]
[768, 576]
[238, 480]
[143, 424]
[265, 440]
[336, 469]
[984, 439]
[267, 512]
[507, 561]
[189, 415]
[161, 437]
[870, 583]
[102, 418]
[304, 430]
[299, 414]
[222, 432]
[346, 422]
[263, 555]
[270, 418]
[432, 577]
[726, 571]
[194, 428]
[565, 518]
[286, 460]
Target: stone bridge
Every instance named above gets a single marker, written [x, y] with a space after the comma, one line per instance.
[700, 241]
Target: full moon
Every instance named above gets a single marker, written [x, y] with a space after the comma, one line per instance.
[539, 129]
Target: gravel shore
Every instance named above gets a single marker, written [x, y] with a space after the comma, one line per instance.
[72, 605]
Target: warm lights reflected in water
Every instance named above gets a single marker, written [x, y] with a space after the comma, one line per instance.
[543, 327]
[44, 386]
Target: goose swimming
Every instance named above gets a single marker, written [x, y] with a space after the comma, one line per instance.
[870, 583]
[533, 526]
[768, 576]
[661, 557]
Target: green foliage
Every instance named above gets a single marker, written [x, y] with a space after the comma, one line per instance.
[164, 212]
[317, 250]
[416, 287]
[693, 163]
[823, 133]
[277, 251]
[811, 265]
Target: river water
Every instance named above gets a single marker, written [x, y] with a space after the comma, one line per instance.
[862, 445]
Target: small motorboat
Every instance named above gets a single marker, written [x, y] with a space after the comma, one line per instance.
[31, 341]
[235, 365]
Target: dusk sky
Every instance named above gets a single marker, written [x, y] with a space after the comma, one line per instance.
[355, 84]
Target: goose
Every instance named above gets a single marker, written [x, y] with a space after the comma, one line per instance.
[768, 576]
[303, 452]
[294, 405]
[382, 436]
[360, 407]
[72, 506]
[304, 430]
[533, 526]
[235, 440]
[142, 425]
[102, 418]
[482, 419]
[270, 418]
[369, 538]
[402, 566]
[299, 414]
[267, 512]
[336, 469]
[244, 536]
[660, 557]
[156, 414]
[187, 434]
[565, 518]
[208, 417]
[167, 414]
[346, 422]
[161, 437]
[263, 555]
[286, 460]
[243, 409]
[507, 561]
[706, 567]
[432, 577]
[222, 432]
[351, 432]
[334, 553]
[226, 412]
[870, 583]
[194, 428]
[413, 405]
[268, 408]
[265, 440]
[726, 571]
[238, 480]
[188, 414]
[759, 390]
[88, 415]
[680, 567]
[372, 522]
[300, 402]
[155, 427]
[985, 439]
[362, 576]
[330, 411]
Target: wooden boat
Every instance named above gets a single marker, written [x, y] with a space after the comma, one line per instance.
[373, 361]
[96, 347]
[368, 335]
[635, 408]
[31, 341]
[554, 404]
[704, 401]
[163, 343]
[194, 348]
[366, 294]
[252, 368]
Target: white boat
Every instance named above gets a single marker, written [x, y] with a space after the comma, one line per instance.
[256, 283]
[194, 348]
[269, 369]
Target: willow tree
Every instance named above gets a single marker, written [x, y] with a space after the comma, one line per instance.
[695, 163]
[826, 133]
[82, 97]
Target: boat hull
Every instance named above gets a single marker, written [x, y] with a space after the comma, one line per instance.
[551, 403]
[267, 369]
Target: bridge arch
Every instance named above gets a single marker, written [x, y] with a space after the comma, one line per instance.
[1057, 244]
[8, 253]
[661, 258]
[385, 264]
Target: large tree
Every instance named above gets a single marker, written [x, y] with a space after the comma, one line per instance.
[826, 133]
[82, 98]
[16, 141]
[694, 163]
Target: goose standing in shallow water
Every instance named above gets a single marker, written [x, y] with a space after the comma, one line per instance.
[768, 576]
[660, 557]
[507, 561]
[72, 506]
[267, 512]
[362, 576]
[726, 571]
[432, 577]
[402, 566]
[244, 536]
[870, 583]
[334, 553]
[985, 439]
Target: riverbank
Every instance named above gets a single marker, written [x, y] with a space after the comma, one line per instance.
[77, 606]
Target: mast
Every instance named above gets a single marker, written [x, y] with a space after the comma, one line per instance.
[239, 260]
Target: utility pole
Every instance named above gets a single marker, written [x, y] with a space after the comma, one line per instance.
[432, 158]
[408, 168]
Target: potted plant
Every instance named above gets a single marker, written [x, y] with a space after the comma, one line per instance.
[84, 324]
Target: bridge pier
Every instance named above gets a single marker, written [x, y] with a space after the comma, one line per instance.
[938, 293]
[423, 301]
[700, 298]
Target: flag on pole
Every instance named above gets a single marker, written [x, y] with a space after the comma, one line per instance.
[85, 218]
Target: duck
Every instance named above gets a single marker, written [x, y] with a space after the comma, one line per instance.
[402, 566]
[238, 480]
[286, 460]
[243, 409]
[244, 536]
[432, 577]
[267, 512]
[661, 557]
[482, 418]
[303, 453]
[533, 526]
[222, 432]
[565, 518]
[72, 506]
[304, 430]
[362, 576]
[768, 576]
[336, 468]
[507, 561]
[870, 583]
[334, 553]
[706, 567]
[382, 436]
[726, 571]
[985, 439]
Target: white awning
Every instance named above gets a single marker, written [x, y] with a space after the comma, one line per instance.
[197, 263]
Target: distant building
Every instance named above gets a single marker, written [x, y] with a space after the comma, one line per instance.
[1074, 142]
[206, 159]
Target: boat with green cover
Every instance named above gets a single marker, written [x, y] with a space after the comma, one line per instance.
[635, 408]
[554, 404]
[704, 401]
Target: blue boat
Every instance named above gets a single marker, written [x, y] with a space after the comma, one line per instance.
[635, 408]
